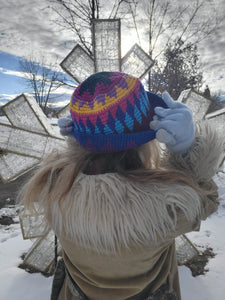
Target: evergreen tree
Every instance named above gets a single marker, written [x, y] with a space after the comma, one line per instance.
[179, 70]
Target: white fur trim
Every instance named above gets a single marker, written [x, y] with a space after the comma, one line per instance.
[205, 156]
[104, 212]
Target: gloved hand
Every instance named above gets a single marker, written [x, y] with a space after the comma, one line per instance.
[174, 125]
[66, 125]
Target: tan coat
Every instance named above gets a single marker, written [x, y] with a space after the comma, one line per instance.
[118, 236]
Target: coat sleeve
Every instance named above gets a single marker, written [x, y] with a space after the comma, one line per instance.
[204, 157]
[201, 163]
[209, 205]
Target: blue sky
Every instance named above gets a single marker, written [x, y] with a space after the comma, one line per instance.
[13, 83]
[9, 83]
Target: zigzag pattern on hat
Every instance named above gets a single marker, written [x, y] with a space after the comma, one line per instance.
[124, 117]
[88, 104]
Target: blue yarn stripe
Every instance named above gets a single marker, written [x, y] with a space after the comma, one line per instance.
[97, 131]
[129, 121]
[119, 126]
[88, 130]
[107, 130]
[137, 115]
[142, 106]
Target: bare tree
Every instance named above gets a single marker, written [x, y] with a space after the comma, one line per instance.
[169, 22]
[77, 15]
[42, 78]
[175, 25]
[165, 21]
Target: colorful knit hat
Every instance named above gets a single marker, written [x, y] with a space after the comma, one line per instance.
[111, 112]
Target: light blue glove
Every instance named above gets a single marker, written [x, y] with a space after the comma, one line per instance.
[174, 125]
[66, 125]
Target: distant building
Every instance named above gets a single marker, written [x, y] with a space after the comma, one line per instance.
[207, 93]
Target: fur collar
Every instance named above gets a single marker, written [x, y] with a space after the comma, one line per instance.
[105, 212]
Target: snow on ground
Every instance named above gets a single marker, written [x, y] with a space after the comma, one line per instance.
[212, 234]
[16, 283]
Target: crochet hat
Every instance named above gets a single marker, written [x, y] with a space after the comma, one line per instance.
[111, 112]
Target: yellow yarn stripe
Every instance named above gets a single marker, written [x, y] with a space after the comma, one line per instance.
[86, 109]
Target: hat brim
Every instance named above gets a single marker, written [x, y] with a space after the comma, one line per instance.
[156, 100]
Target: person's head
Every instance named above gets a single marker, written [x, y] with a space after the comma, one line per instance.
[111, 112]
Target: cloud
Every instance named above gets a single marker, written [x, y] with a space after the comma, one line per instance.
[13, 73]
[28, 26]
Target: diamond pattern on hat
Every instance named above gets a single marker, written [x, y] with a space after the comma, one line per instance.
[112, 116]
[127, 116]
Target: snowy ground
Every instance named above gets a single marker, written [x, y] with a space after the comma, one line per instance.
[15, 283]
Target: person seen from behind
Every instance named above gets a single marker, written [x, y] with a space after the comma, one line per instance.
[135, 174]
